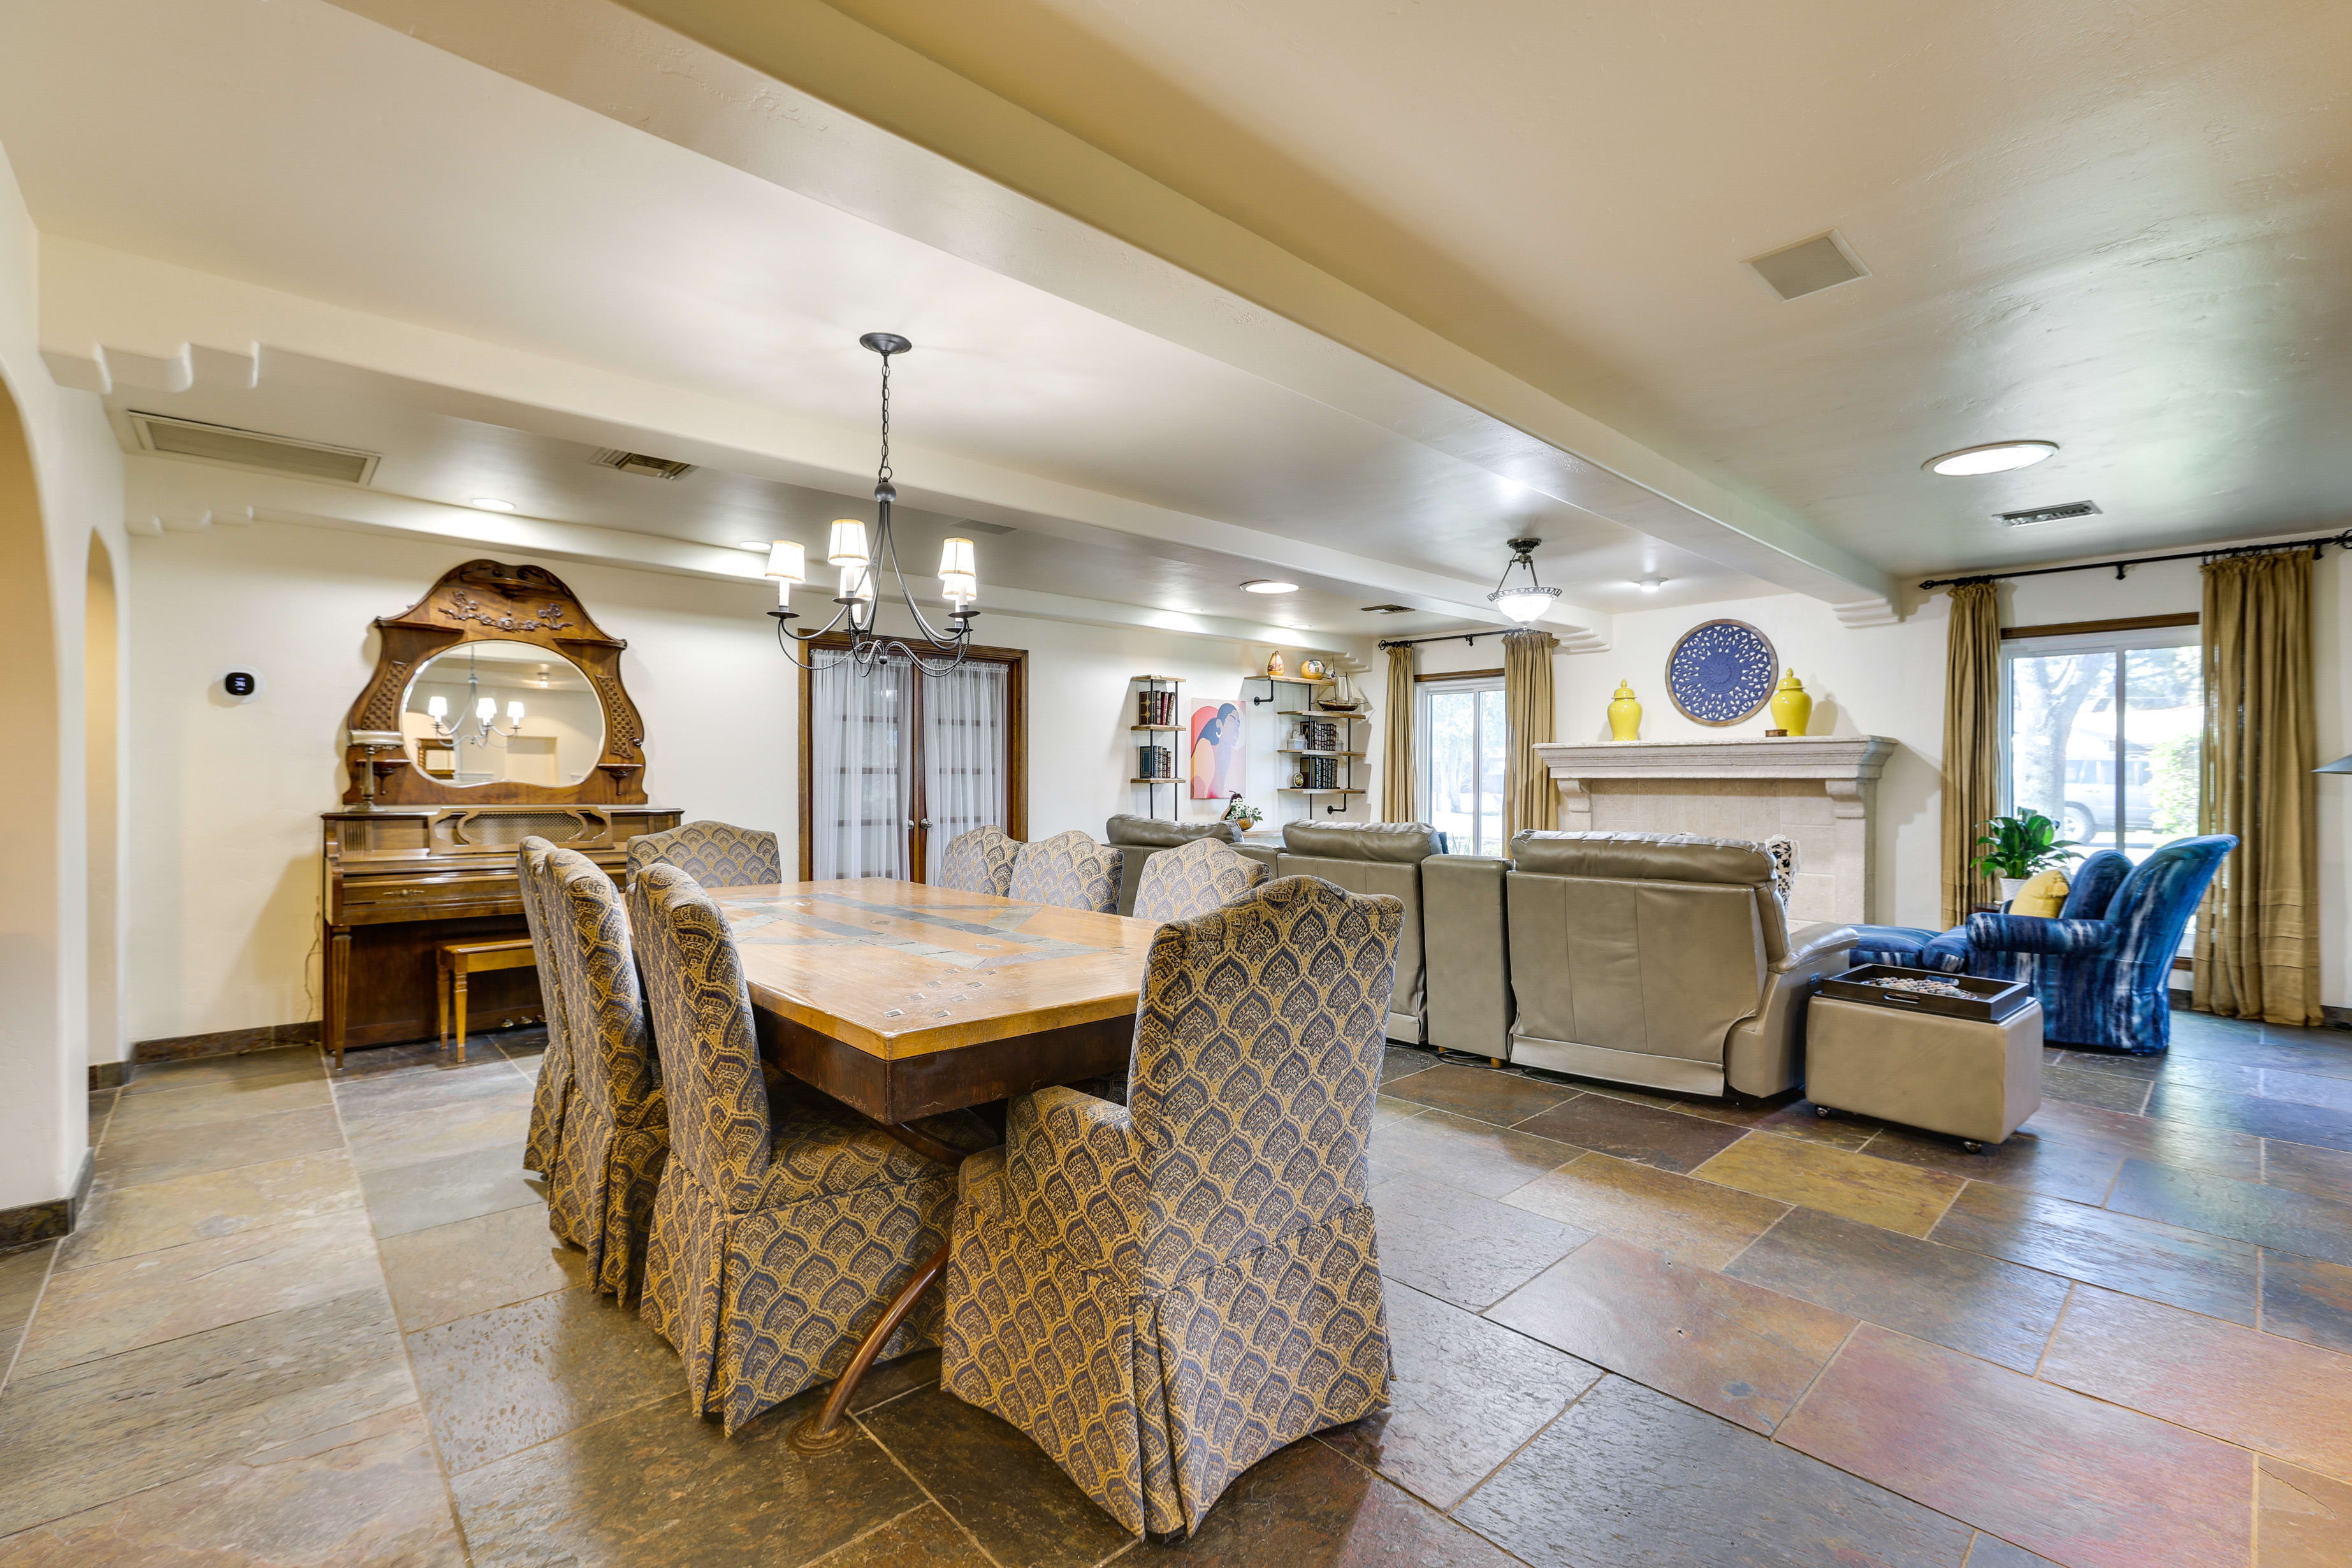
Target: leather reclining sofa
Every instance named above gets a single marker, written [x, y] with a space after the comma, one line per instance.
[1139, 838]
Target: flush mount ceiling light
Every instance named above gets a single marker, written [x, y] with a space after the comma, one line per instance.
[1652, 584]
[758, 544]
[491, 503]
[860, 567]
[1527, 600]
[1992, 458]
[1268, 585]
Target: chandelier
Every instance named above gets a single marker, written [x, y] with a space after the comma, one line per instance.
[480, 726]
[857, 563]
[1527, 601]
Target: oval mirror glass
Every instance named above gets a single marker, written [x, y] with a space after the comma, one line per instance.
[502, 713]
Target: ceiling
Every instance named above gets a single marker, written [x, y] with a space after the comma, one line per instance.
[2123, 228]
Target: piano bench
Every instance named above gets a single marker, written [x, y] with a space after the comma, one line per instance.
[459, 959]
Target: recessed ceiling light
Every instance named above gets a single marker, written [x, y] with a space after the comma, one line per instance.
[1993, 457]
[758, 544]
[491, 503]
[1652, 584]
[1268, 585]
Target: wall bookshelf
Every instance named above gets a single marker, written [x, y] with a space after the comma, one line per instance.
[1158, 738]
[1321, 755]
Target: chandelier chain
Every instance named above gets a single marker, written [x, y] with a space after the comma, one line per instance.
[882, 475]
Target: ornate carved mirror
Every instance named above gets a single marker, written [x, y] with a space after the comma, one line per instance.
[495, 688]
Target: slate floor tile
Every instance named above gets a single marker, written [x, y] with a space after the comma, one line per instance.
[149, 1077]
[158, 1296]
[2208, 1274]
[289, 1382]
[164, 1153]
[2266, 1215]
[404, 1198]
[369, 1494]
[383, 1095]
[2286, 1120]
[1629, 1131]
[2302, 1087]
[2303, 1520]
[2034, 1163]
[440, 1133]
[2082, 1482]
[1465, 1392]
[1017, 1503]
[2116, 1092]
[1404, 1061]
[1875, 1191]
[1503, 1098]
[2179, 1145]
[1677, 1216]
[1791, 1116]
[2304, 1298]
[660, 1487]
[2321, 1051]
[1305, 1507]
[1736, 1349]
[2281, 1397]
[1992, 1551]
[23, 1272]
[1973, 1303]
[230, 1099]
[1629, 1477]
[455, 1270]
[1469, 1251]
[1462, 1151]
[2305, 1168]
[127, 1221]
[924, 1535]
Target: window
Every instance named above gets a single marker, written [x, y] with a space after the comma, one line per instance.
[2103, 732]
[1462, 741]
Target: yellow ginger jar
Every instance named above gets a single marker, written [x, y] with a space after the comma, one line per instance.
[1625, 715]
[1792, 706]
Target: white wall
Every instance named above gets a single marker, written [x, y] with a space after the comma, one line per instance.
[1889, 680]
[225, 795]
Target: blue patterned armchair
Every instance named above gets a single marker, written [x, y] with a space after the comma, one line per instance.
[2101, 968]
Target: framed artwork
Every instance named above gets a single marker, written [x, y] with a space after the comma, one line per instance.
[1721, 672]
[1217, 758]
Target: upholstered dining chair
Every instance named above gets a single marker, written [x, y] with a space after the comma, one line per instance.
[1192, 879]
[1160, 1295]
[715, 854]
[980, 861]
[616, 1142]
[1069, 869]
[552, 1088]
[785, 1221]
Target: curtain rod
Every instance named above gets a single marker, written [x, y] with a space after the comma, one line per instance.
[2341, 540]
[1454, 636]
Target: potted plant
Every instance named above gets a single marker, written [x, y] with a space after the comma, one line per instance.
[2015, 848]
[1241, 814]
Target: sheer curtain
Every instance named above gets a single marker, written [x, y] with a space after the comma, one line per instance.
[964, 746]
[860, 785]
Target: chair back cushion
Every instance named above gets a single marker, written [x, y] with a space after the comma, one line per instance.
[1378, 858]
[979, 861]
[1204, 875]
[1653, 944]
[2153, 905]
[715, 854]
[1069, 869]
[532, 882]
[1158, 833]
[1397, 843]
[701, 1012]
[1257, 1057]
[2093, 886]
[613, 1060]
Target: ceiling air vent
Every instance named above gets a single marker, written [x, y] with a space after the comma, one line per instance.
[1388, 609]
[251, 448]
[2048, 513]
[1808, 267]
[638, 463]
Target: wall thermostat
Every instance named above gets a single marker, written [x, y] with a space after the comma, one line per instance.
[238, 684]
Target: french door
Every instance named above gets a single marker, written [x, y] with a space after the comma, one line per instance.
[895, 763]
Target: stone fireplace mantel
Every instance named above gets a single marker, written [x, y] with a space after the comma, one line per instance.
[1818, 790]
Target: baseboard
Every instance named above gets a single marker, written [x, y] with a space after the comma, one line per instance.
[28, 1223]
[226, 1042]
[108, 1075]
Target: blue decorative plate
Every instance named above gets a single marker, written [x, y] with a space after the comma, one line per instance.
[1721, 672]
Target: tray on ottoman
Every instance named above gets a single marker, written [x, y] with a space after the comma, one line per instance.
[1987, 1001]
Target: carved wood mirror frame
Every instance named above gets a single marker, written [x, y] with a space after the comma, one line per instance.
[488, 600]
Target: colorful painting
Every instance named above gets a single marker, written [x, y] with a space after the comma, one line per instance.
[1216, 751]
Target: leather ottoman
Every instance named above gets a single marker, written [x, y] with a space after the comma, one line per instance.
[1971, 1079]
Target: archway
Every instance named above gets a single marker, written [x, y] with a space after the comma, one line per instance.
[103, 821]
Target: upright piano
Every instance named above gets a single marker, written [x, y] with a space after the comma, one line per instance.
[400, 880]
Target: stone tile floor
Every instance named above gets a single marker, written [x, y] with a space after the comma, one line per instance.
[323, 1321]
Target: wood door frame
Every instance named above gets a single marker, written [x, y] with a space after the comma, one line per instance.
[1016, 762]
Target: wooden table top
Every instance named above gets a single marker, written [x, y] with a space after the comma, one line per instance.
[899, 968]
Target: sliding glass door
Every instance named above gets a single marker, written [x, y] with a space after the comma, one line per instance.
[2103, 733]
[897, 763]
[1463, 741]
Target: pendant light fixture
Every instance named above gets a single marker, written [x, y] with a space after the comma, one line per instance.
[1525, 601]
[858, 564]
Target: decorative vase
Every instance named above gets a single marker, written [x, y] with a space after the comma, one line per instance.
[1274, 669]
[1792, 706]
[1625, 715]
[2011, 886]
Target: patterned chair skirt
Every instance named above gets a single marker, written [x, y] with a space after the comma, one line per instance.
[549, 1098]
[600, 1195]
[1153, 1403]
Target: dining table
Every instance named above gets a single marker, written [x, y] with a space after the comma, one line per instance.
[904, 1001]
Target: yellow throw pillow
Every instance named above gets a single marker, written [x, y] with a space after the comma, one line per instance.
[2044, 894]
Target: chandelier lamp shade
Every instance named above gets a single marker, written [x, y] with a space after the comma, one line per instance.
[1524, 600]
[858, 561]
